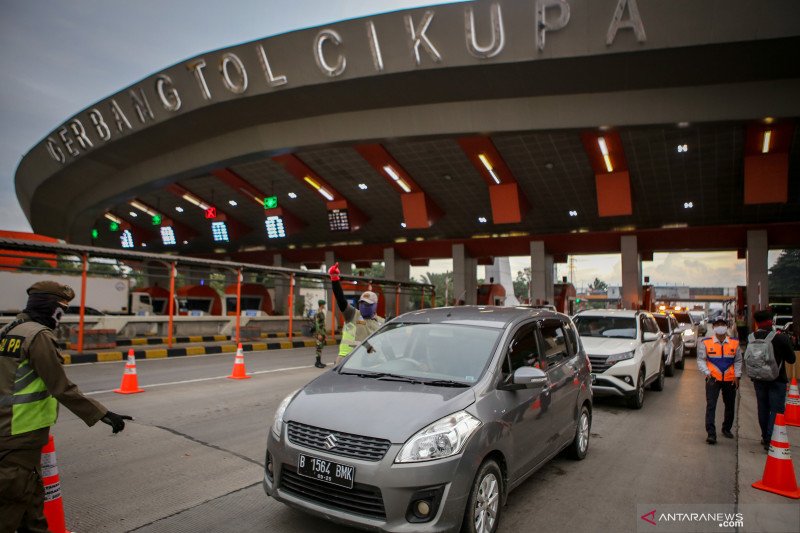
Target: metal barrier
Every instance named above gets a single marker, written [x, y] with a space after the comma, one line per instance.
[399, 296]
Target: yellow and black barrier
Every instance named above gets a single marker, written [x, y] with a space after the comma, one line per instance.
[161, 353]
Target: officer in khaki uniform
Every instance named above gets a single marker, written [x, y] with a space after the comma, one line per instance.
[358, 323]
[32, 384]
[319, 332]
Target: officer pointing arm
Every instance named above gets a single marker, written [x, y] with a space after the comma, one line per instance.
[32, 384]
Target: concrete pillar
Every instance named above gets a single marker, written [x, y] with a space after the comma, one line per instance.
[542, 268]
[282, 286]
[631, 272]
[345, 267]
[757, 267]
[396, 268]
[465, 276]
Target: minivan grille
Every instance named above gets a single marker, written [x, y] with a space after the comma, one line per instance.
[599, 363]
[365, 500]
[367, 448]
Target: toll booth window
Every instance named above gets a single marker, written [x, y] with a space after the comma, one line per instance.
[198, 304]
[555, 344]
[523, 350]
[249, 303]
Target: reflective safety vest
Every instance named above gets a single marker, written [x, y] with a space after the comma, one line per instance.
[356, 331]
[25, 404]
[720, 358]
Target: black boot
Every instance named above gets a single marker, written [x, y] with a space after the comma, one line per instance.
[319, 363]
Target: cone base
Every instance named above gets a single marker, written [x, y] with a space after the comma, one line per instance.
[120, 391]
[239, 377]
[795, 424]
[795, 494]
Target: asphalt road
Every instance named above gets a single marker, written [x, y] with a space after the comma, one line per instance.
[192, 460]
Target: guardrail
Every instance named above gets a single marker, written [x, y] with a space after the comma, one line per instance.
[171, 322]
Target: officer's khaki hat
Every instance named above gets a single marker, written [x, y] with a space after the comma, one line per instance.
[63, 292]
[369, 297]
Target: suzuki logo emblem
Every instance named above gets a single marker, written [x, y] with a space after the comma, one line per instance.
[331, 442]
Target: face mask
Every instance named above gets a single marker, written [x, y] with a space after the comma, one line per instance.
[720, 330]
[57, 314]
[366, 309]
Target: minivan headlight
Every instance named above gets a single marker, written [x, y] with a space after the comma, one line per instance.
[620, 357]
[443, 438]
[688, 333]
[277, 423]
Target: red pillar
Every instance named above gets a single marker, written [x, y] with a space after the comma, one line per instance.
[171, 303]
[238, 304]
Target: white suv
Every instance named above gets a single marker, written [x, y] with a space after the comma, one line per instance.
[626, 350]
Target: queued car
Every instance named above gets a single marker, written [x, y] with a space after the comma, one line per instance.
[779, 322]
[673, 348]
[689, 332]
[433, 419]
[626, 350]
[700, 320]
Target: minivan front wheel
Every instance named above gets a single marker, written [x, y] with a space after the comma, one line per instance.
[483, 505]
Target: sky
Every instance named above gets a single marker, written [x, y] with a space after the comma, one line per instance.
[60, 56]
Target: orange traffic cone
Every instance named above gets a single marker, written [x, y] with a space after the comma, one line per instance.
[130, 383]
[53, 506]
[792, 411]
[779, 472]
[238, 365]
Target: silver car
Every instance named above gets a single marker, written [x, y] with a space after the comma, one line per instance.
[430, 422]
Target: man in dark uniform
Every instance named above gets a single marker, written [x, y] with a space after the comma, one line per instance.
[771, 395]
[32, 383]
[319, 332]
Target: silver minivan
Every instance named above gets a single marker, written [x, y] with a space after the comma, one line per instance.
[430, 422]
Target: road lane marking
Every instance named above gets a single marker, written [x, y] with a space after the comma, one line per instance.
[198, 380]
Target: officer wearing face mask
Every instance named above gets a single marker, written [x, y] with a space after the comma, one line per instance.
[719, 358]
[359, 323]
[32, 384]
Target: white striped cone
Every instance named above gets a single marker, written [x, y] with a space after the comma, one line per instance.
[792, 409]
[239, 371]
[130, 382]
[779, 475]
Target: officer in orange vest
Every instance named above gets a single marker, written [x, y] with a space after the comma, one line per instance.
[719, 358]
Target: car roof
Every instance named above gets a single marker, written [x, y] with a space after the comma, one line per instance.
[610, 312]
[477, 315]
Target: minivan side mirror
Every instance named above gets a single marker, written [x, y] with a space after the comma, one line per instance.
[649, 336]
[526, 377]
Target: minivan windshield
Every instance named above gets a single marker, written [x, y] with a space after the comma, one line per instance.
[440, 354]
[683, 319]
[615, 327]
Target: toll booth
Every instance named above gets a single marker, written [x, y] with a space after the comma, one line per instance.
[255, 300]
[198, 300]
[491, 294]
[564, 295]
[159, 297]
[352, 292]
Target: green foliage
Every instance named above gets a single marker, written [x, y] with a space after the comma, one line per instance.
[440, 281]
[35, 264]
[376, 271]
[598, 286]
[784, 276]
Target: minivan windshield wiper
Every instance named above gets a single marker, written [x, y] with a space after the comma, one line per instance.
[382, 376]
[446, 383]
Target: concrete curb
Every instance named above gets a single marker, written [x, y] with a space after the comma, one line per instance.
[773, 513]
[161, 353]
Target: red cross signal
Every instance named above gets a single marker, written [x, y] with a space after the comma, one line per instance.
[211, 212]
